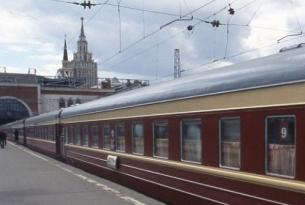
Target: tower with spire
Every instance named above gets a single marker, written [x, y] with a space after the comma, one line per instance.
[83, 66]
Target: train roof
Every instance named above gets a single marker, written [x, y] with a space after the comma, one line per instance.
[14, 125]
[44, 118]
[285, 67]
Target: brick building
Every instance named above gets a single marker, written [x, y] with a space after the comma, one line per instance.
[23, 95]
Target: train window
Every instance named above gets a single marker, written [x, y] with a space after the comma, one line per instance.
[280, 159]
[35, 132]
[46, 133]
[77, 134]
[120, 136]
[230, 142]
[138, 138]
[70, 137]
[53, 133]
[85, 135]
[94, 133]
[42, 133]
[51, 136]
[106, 134]
[160, 134]
[39, 132]
[65, 132]
[191, 140]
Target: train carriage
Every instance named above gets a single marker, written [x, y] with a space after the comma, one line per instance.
[231, 135]
[43, 133]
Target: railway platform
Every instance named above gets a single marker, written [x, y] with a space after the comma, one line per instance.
[29, 178]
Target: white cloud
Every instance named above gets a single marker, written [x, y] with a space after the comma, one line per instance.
[273, 22]
[15, 29]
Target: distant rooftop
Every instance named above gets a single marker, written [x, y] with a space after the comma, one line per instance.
[18, 78]
[117, 85]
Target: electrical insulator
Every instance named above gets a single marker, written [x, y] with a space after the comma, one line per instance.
[231, 11]
[190, 27]
[215, 23]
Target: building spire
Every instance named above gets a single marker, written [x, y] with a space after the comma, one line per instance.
[65, 56]
[82, 33]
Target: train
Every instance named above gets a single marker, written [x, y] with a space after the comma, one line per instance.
[231, 135]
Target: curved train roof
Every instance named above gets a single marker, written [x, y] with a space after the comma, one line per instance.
[14, 125]
[43, 118]
[282, 68]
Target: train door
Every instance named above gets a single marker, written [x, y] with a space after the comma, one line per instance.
[63, 140]
[60, 136]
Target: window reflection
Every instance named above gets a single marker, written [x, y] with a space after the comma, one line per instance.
[161, 139]
[138, 138]
[230, 142]
[191, 140]
[281, 145]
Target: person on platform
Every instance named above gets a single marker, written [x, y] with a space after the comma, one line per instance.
[2, 139]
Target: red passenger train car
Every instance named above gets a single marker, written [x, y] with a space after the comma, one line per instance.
[231, 135]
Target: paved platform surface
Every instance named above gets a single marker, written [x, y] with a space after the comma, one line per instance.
[29, 178]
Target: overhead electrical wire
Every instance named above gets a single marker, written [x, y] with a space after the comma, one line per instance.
[143, 18]
[201, 21]
[143, 10]
[215, 60]
[230, 15]
[295, 15]
[167, 39]
[153, 33]
[90, 19]
[120, 25]
[298, 22]
[241, 53]
[227, 35]
[255, 13]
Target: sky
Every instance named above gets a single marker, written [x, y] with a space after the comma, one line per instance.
[141, 44]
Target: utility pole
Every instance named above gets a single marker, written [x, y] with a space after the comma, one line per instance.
[177, 64]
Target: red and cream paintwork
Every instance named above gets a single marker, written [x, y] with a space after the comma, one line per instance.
[178, 182]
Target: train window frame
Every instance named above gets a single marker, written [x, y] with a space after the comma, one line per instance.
[103, 130]
[132, 136]
[98, 136]
[70, 134]
[116, 136]
[266, 145]
[50, 133]
[220, 141]
[85, 127]
[65, 131]
[153, 130]
[77, 127]
[181, 139]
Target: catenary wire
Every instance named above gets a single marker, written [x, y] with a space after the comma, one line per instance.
[167, 39]
[152, 33]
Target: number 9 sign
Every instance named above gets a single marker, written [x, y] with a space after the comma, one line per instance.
[284, 132]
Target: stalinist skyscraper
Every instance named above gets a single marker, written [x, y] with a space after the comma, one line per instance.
[83, 65]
